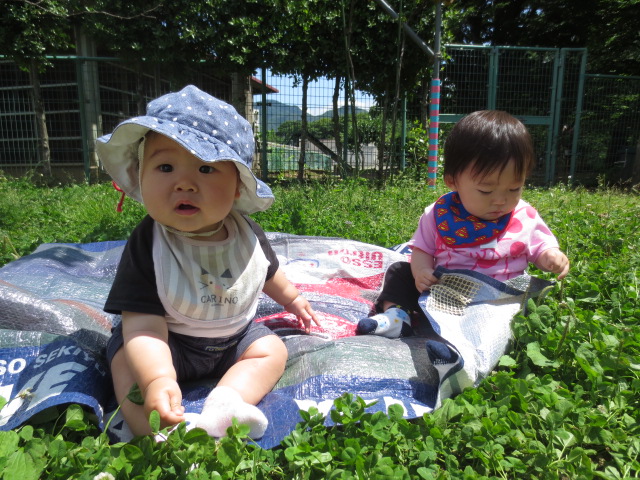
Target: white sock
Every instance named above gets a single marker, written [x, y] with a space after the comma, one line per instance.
[222, 405]
[387, 324]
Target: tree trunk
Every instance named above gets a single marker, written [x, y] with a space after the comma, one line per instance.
[335, 119]
[635, 173]
[141, 102]
[354, 124]
[383, 136]
[424, 105]
[89, 97]
[44, 151]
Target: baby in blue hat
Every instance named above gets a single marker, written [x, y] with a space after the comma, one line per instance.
[191, 274]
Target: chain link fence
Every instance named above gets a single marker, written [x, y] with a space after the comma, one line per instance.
[609, 130]
[81, 99]
[586, 127]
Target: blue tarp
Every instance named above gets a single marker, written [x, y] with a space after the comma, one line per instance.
[53, 333]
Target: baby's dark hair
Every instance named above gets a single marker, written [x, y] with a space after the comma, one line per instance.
[488, 140]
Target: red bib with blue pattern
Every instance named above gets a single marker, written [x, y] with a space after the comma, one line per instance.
[458, 228]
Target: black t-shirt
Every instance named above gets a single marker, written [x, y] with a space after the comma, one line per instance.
[134, 287]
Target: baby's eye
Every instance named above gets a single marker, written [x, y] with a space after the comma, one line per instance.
[207, 169]
[484, 192]
[165, 167]
[516, 190]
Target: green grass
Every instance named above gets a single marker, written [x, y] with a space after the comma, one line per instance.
[563, 404]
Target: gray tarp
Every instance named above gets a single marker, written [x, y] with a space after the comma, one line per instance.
[53, 332]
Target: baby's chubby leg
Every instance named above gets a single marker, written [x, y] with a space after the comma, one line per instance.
[243, 386]
[135, 415]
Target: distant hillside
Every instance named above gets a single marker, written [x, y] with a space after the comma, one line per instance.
[328, 113]
[278, 113]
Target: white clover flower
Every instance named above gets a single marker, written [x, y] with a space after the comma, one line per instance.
[104, 476]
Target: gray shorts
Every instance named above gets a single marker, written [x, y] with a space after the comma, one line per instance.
[196, 357]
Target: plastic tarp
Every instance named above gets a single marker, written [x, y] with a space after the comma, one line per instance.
[53, 333]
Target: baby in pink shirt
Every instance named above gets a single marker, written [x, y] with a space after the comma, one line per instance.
[482, 224]
[524, 238]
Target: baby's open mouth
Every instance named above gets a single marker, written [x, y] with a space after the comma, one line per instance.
[184, 206]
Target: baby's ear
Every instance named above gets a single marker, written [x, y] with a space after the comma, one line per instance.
[239, 187]
[449, 181]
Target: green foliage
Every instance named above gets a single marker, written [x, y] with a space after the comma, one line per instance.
[417, 146]
[30, 30]
[289, 132]
[369, 130]
[31, 215]
[548, 23]
[351, 208]
[305, 38]
[564, 402]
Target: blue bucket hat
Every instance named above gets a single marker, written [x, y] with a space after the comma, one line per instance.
[207, 127]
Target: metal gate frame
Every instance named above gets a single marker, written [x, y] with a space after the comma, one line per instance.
[552, 121]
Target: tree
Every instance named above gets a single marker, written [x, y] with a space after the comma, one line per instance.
[605, 28]
[289, 132]
[390, 65]
[29, 31]
[601, 26]
[307, 39]
[357, 41]
[321, 128]
[313, 30]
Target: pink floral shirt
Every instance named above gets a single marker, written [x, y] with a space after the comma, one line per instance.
[524, 239]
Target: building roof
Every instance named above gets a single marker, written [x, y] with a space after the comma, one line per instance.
[256, 86]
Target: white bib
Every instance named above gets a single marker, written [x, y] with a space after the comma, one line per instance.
[209, 289]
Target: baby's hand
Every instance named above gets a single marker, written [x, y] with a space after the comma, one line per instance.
[554, 261]
[425, 279]
[164, 395]
[301, 308]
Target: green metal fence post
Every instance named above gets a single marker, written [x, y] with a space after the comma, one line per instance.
[264, 161]
[578, 116]
[345, 117]
[556, 113]
[494, 65]
[403, 138]
[555, 109]
[83, 118]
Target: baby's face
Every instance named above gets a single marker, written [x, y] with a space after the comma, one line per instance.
[489, 197]
[183, 192]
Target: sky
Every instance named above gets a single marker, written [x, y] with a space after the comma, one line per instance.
[319, 95]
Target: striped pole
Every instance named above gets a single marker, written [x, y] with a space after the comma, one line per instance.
[434, 125]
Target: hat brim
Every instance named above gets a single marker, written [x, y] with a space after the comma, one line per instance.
[118, 153]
